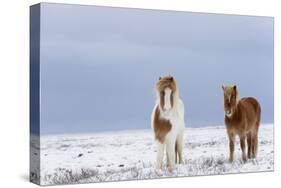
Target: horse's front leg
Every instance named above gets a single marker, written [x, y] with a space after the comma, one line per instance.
[231, 146]
[160, 155]
[171, 154]
[242, 145]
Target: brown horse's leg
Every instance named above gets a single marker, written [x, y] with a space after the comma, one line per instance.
[231, 146]
[242, 145]
[255, 146]
[249, 143]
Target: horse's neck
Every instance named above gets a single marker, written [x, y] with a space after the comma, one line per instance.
[176, 102]
[236, 114]
[237, 108]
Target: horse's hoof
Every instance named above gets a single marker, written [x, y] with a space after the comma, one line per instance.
[171, 169]
[159, 166]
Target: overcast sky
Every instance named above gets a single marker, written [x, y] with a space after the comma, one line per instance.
[99, 65]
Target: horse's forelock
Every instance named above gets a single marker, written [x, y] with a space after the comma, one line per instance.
[162, 84]
[165, 82]
[230, 90]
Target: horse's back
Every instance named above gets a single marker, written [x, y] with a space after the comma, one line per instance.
[252, 108]
[251, 102]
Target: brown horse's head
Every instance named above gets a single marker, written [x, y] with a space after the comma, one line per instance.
[166, 89]
[231, 98]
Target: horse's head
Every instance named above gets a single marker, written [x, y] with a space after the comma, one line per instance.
[231, 98]
[166, 89]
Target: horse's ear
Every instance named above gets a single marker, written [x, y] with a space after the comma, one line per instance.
[234, 88]
[172, 78]
[160, 78]
[222, 87]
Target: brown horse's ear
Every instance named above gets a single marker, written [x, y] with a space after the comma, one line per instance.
[172, 78]
[222, 87]
[234, 88]
[160, 78]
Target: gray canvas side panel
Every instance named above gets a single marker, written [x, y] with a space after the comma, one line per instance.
[34, 93]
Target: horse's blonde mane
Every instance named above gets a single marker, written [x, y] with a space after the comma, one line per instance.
[237, 97]
[228, 90]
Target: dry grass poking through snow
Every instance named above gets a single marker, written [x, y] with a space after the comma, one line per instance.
[130, 155]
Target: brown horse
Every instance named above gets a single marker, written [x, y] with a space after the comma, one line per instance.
[242, 118]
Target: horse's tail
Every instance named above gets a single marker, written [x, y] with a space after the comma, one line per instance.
[259, 116]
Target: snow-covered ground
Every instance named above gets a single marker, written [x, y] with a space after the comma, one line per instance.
[128, 155]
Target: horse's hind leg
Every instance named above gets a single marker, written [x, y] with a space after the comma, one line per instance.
[249, 143]
[176, 153]
[167, 158]
[254, 145]
[179, 144]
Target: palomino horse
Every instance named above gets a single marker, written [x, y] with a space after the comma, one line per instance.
[242, 118]
[167, 122]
